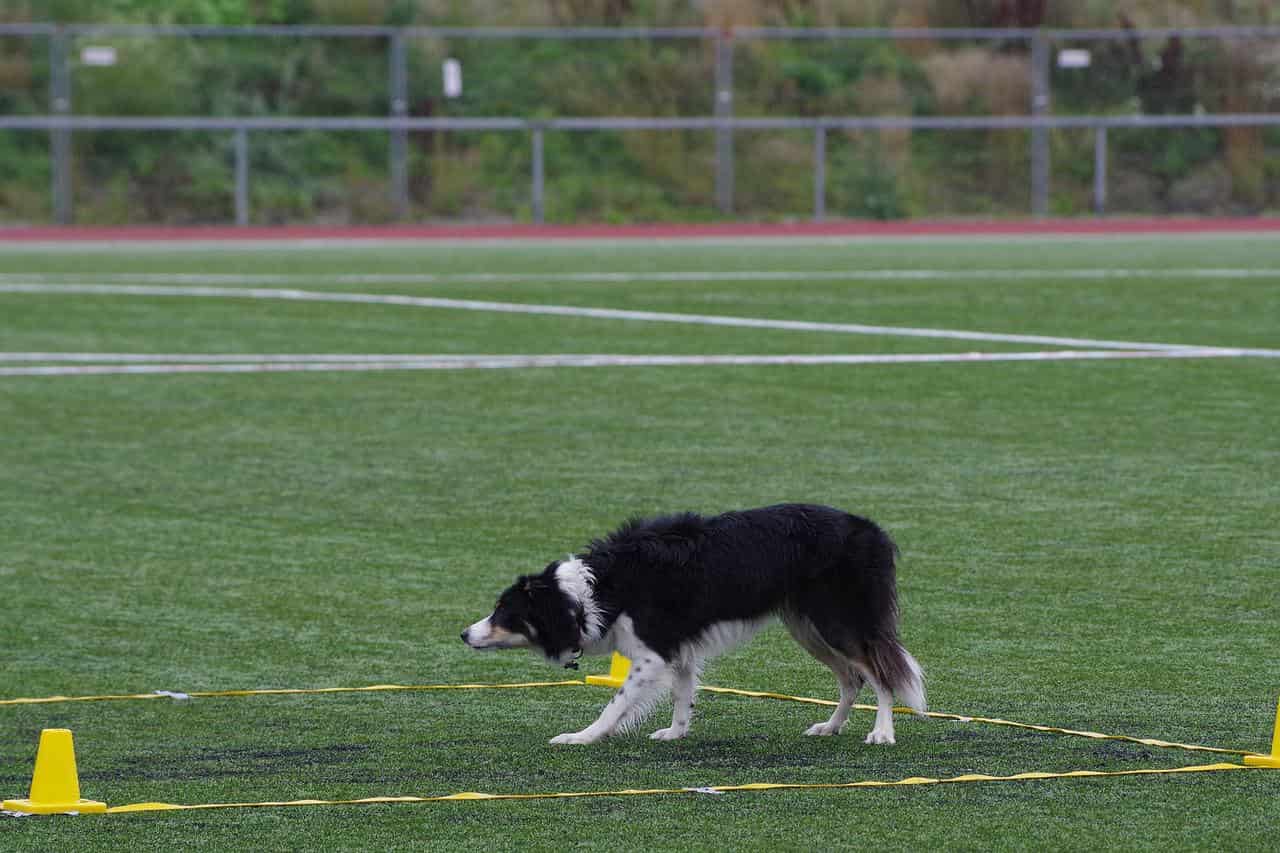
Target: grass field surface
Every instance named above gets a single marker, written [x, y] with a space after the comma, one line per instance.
[1086, 543]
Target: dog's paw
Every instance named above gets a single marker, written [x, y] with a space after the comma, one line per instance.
[823, 729]
[670, 733]
[881, 736]
[573, 737]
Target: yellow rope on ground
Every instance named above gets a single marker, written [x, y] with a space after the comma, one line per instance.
[287, 691]
[729, 691]
[712, 789]
[992, 721]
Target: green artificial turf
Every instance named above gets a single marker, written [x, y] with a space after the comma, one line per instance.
[1084, 544]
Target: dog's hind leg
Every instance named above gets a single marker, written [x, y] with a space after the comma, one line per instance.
[850, 684]
[859, 670]
[646, 682]
[683, 687]
[882, 731]
[849, 678]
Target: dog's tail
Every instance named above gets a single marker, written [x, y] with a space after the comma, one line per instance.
[890, 664]
[895, 668]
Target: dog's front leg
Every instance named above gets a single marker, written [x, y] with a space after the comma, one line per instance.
[682, 691]
[630, 703]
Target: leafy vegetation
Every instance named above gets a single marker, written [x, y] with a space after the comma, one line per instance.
[629, 176]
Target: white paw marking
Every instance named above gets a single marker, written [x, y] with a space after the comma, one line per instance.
[823, 729]
[573, 737]
[670, 733]
[879, 736]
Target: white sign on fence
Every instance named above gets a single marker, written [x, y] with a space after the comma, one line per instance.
[452, 73]
[98, 55]
[1074, 58]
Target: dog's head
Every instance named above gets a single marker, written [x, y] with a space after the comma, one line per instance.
[534, 612]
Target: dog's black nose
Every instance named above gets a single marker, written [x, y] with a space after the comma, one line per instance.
[464, 636]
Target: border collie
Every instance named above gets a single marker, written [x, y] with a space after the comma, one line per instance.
[673, 591]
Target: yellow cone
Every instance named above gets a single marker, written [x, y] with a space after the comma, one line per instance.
[618, 669]
[55, 786]
[1272, 760]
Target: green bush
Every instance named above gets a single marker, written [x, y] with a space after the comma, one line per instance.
[614, 176]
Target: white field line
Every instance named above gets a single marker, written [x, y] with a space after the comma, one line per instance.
[677, 276]
[543, 242]
[216, 358]
[144, 364]
[595, 313]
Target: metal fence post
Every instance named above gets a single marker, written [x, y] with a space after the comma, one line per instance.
[60, 138]
[819, 173]
[241, 145]
[399, 147]
[1100, 169]
[538, 175]
[1039, 135]
[724, 109]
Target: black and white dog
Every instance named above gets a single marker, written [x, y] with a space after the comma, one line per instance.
[671, 592]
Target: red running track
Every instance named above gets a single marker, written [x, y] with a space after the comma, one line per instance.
[924, 228]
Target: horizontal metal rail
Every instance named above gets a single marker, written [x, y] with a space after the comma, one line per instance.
[35, 29]
[587, 33]
[1260, 31]
[60, 122]
[886, 33]
[590, 33]
[996, 34]
[915, 122]
[407, 123]
[323, 31]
